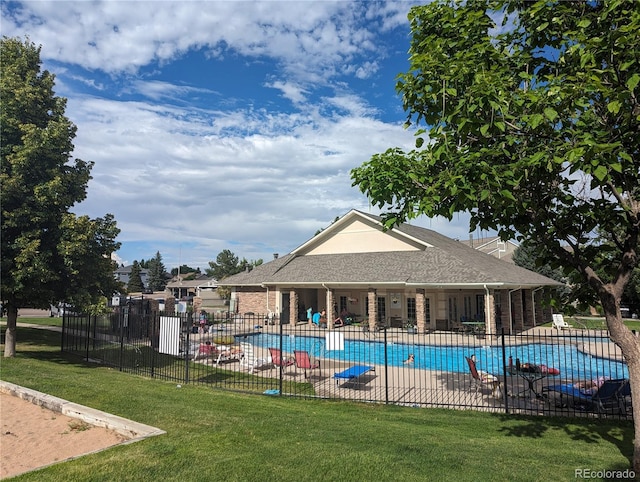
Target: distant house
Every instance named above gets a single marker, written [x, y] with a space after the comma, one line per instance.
[494, 246]
[123, 274]
[407, 273]
[180, 288]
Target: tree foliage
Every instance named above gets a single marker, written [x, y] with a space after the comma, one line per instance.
[135, 284]
[48, 254]
[227, 264]
[526, 256]
[183, 270]
[157, 280]
[532, 114]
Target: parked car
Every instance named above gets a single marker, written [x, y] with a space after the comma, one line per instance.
[60, 309]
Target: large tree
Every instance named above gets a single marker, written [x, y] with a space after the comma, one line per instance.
[227, 264]
[135, 284]
[531, 118]
[157, 277]
[48, 254]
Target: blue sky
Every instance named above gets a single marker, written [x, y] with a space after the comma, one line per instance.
[224, 125]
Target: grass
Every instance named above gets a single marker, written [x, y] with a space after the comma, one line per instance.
[223, 435]
[37, 320]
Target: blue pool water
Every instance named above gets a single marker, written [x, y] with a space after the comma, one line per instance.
[566, 357]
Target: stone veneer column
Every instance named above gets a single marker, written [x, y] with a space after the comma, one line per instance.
[490, 308]
[154, 306]
[197, 304]
[373, 308]
[170, 305]
[528, 318]
[420, 311]
[293, 307]
[516, 300]
[330, 313]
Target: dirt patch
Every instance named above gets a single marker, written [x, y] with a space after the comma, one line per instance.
[33, 436]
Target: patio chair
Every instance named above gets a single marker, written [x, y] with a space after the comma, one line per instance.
[205, 350]
[249, 358]
[480, 378]
[224, 353]
[610, 395]
[278, 361]
[559, 323]
[303, 361]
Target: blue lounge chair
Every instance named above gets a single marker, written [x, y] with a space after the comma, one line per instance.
[352, 374]
[611, 394]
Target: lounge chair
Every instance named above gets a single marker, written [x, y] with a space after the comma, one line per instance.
[611, 394]
[559, 323]
[205, 351]
[352, 374]
[228, 353]
[249, 358]
[278, 361]
[480, 378]
[304, 361]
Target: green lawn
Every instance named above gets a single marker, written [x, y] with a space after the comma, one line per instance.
[37, 320]
[222, 435]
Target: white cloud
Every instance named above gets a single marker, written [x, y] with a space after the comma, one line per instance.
[291, 91]
[167, 178]
[190, 171]
[116, 37]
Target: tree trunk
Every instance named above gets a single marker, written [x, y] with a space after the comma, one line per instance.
[10, 332]
[634, 380]
[629, 343]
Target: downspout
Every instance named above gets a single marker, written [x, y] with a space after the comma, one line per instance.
[267, 286]
[533, 304]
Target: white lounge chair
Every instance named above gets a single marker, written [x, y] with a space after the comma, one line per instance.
[559, 323]
[249, 358]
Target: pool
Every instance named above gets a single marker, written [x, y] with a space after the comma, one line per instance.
[566, 357]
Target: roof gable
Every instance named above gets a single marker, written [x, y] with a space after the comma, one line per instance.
[357, 232]
[356, 250]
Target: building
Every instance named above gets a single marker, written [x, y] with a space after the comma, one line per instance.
[124, 272]
[390, 277]
[494, 246]
[187, 286]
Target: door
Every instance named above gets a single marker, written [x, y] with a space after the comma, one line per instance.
[284, 310]
[382, 310]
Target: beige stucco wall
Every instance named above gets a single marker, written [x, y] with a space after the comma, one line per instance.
[360, 237]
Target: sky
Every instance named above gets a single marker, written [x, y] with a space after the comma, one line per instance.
[225, 125]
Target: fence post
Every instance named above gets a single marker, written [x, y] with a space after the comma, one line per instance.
[386, 369]
[124, 317]
[65, 333]
[188, 347]
[504, 372]
[281, 375]
[156, 348]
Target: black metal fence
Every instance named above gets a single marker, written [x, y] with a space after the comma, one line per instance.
[542, 371]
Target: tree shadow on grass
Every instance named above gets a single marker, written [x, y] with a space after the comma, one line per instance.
[42, 345]
[619, 433]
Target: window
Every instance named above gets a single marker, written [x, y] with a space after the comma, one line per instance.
[427, 311]
[453, 308]
[343, 304]
[411, 308]
[382, 308]
[467, 310]
[480, 304]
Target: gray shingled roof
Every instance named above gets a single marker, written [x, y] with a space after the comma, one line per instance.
[448, 262]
